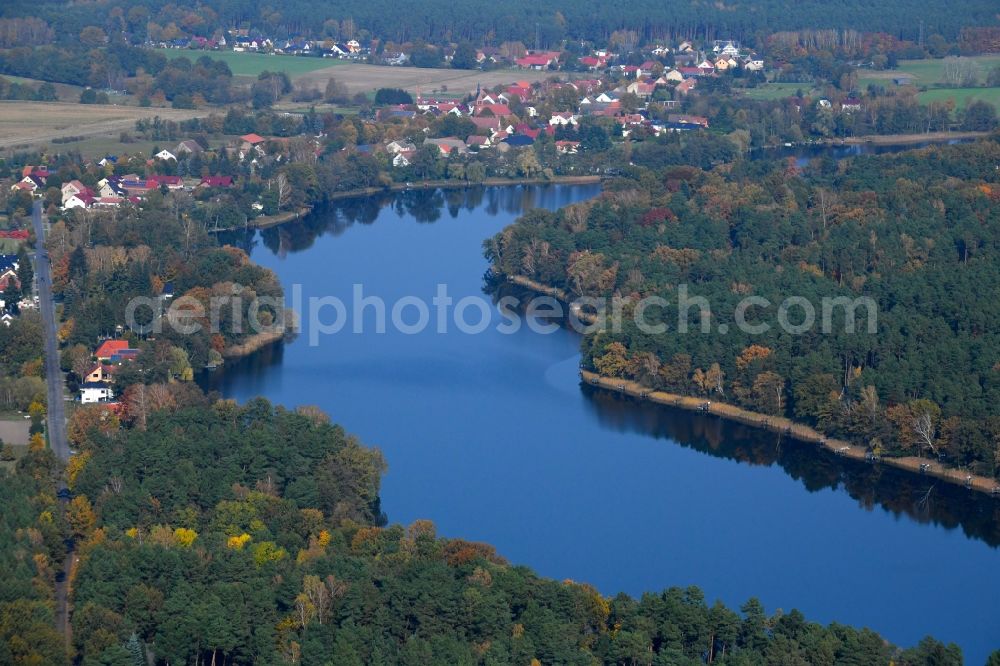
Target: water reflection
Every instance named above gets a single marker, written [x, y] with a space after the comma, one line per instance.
[899, 493]
[494, 439]
[923, 499]
[423, 205]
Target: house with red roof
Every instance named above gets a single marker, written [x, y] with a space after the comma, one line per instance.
[172, 182]
[489, 123]
[526, 130]
[686, 86]
[476, 141]
[496, 110]
[593, 63]
[538, 61]
[110, 348]
[522, 92]
[216, 181]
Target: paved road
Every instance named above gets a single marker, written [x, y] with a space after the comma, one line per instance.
[56, 404]
[53, 373]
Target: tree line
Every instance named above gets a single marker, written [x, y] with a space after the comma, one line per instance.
[209, 532]
[914, 232]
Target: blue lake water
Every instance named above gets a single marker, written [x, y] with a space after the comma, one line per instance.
[493, 438]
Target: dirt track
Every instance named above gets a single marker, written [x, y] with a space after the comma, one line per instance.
[30, 123]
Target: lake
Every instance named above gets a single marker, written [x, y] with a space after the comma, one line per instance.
[493, 437]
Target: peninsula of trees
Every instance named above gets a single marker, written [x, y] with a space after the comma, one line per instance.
[209, 532]
[916, 233]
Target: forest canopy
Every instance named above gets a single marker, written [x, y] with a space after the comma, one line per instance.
[213, 532]
[916, 233]
[546, 25]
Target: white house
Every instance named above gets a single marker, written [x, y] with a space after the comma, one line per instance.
[76, 201]
[402, 159]
[563, 118]
[91, 392]
[165, 155]
[399, 146]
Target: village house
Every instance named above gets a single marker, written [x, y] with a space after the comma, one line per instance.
[165, 155]
[539, 60]
[399, 146]
[170, 182]
[78, 200]
[109, 187]
[112, 349]
[188, 147]
[563, 118]
[567, 147]
[8, 275]
[32, 184]
[95, 392]
[686, 86]
[216, 181]
[641, 89]
[478, 142]
[403, 158]
[680, 122]
[448, 145]
[850, 105]
[251, 143]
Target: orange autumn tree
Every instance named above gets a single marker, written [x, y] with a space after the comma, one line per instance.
[751, 354]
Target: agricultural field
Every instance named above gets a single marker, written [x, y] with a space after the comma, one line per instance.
[64, 91]
[962, 96]
[929, 75]
[39, 123]
[931, 72]
[359, 77]
[252, 64]
[366, 78]
[772, 91]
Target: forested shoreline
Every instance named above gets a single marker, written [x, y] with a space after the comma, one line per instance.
[914, 232]
[209, 531]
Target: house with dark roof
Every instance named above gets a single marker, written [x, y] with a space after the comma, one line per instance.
[519, 141]
[94, 392]
[680, 121]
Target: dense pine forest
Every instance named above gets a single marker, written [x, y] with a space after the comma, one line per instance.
[214, 533]
[531, 23]
[916, 233]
